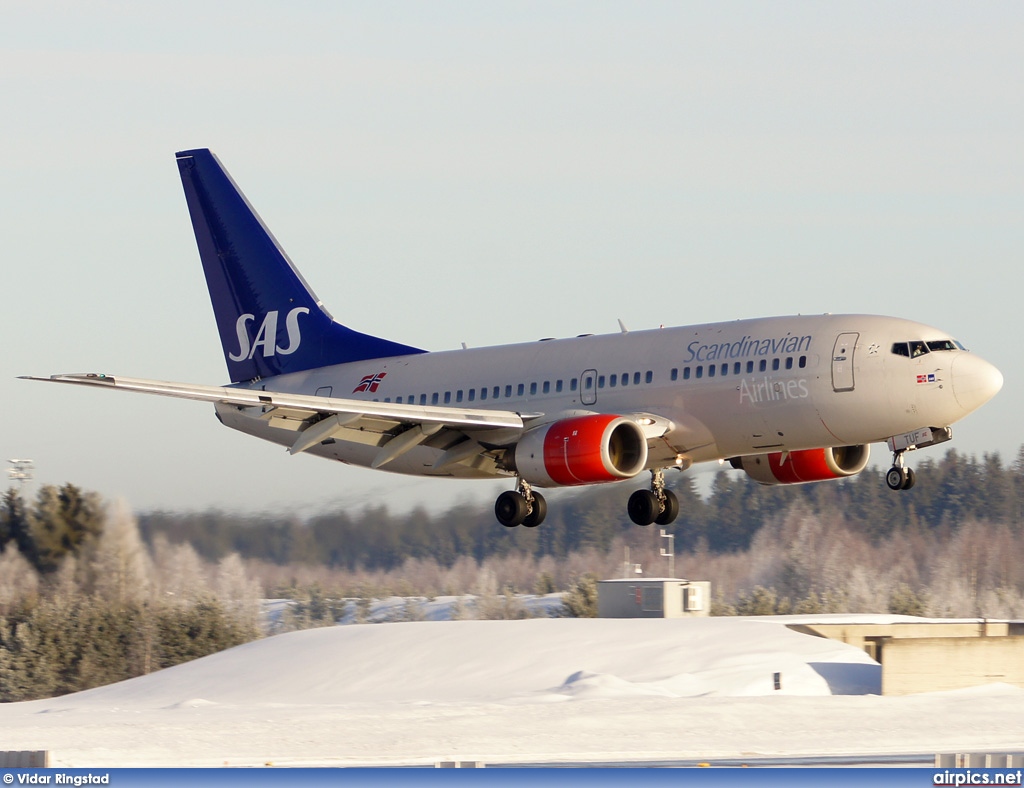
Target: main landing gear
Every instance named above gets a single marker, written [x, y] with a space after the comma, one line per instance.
[521, 506]
[656, 505]
[899, 477]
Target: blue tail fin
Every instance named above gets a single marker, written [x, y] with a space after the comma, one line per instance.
[270, 321]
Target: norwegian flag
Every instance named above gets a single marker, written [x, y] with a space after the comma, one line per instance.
[370, 383]
[929, 378]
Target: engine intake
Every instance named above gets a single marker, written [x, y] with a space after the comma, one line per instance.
[581, 450]
[808, 465]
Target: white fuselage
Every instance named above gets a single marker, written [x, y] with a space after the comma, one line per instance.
[729, 389]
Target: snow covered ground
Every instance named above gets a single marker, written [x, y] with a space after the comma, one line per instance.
[539, 690]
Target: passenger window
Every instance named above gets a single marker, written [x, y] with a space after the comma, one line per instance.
[572, 384]
[901, 349]
[508, 391]
[546, 387]
[447, 397]
[750, 367]
[789, 362]
[763, 366]
[675, 374]
[398, 401]
[686, 373]
[775, 365]
[520, 389]
[472, 395]
[649, 377]
[600, 381]
[458, 395]
[533, 388]
[483, 393]
[423, 399]
[725, 369]
[700, 371]
[496, 394]
[737, 368]
[625, 378]
[612, 380]
[712, 369]
[803, 361]
[433, 398]
[558, 386]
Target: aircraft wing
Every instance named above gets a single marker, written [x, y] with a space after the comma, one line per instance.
[396, 428]
[460, 433]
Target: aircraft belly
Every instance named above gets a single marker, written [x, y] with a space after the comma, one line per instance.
[359, 447]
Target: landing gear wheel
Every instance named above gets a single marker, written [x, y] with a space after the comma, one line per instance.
[643, 507]
[671, 510]
[539, 512]
[896, 478]
[510, 509]
[911, 479]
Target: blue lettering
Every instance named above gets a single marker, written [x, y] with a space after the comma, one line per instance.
[747, 347]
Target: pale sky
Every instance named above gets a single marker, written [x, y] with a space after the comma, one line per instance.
[487, 173]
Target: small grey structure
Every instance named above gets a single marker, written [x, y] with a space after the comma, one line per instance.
[653, 597]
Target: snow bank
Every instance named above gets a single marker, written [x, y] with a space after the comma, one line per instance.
[512, 691]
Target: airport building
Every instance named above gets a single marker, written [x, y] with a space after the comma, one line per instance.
[930, 655]
[653, 597]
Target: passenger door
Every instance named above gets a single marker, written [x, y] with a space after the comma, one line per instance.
[842, 361]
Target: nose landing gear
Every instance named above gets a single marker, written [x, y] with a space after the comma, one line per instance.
[521, 506]
[657, 505]
[899, 477]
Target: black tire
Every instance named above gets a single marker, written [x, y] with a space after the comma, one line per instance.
[540, 511]
[510, 509]
[896, 477]
[670, 512]
[642, 507]
[911, 479]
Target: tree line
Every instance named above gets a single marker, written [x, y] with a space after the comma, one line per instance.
[84, 602]
[950, 490]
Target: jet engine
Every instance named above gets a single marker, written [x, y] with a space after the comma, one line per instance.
[808, 465]
[581, 450]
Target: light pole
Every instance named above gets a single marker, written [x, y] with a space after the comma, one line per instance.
[670, 551]
[20, 471]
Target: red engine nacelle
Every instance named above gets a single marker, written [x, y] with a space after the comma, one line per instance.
[808, 465]
[581, 450]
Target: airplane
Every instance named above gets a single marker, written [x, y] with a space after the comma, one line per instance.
[788, 400]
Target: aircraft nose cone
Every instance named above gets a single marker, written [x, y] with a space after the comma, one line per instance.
[975, 381]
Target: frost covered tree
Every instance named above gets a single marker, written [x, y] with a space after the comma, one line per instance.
[120, 567]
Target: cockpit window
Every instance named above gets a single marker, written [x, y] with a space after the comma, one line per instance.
[916, 347]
